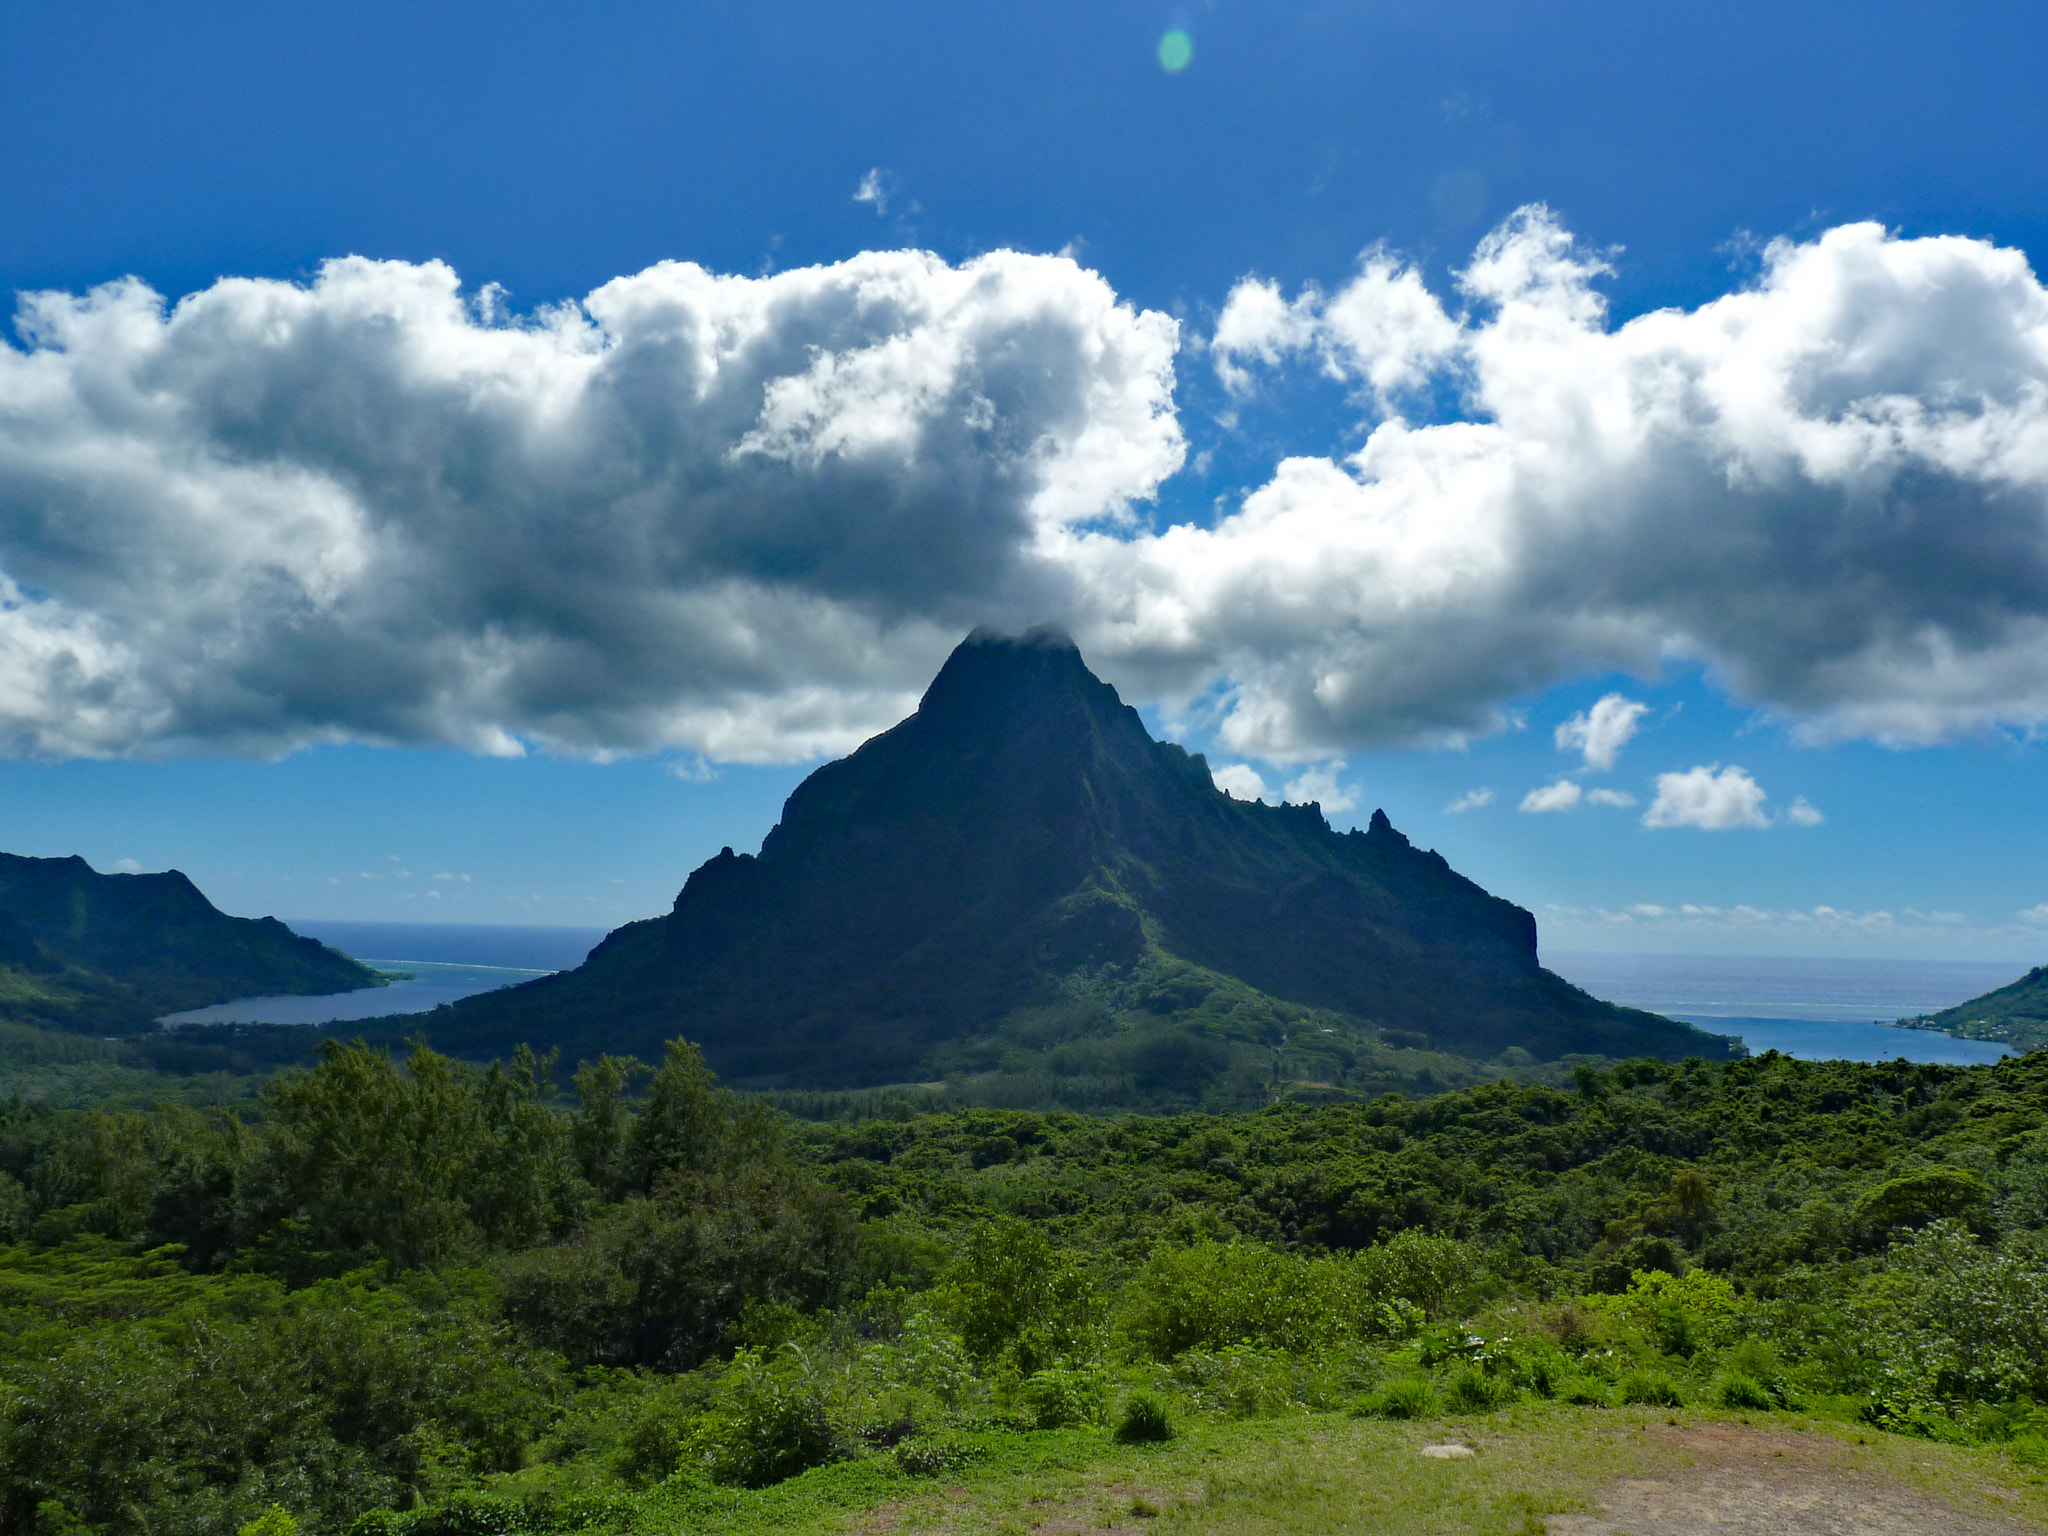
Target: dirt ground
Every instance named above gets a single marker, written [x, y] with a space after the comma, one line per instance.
[1735, 1481]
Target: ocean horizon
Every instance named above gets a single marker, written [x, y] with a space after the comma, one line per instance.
[535, 947]
[1818, 1009]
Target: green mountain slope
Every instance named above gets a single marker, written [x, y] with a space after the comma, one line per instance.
[2016, 1014]
[110, 953]
[1019, 870]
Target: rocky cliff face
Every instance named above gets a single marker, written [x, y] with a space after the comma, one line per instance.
[1021, 842]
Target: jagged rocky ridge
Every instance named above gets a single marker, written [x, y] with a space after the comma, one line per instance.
[1020, 863]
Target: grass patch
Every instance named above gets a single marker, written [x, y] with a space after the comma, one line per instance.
[1323, 1474]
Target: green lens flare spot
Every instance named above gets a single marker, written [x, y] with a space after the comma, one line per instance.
[1175, 50]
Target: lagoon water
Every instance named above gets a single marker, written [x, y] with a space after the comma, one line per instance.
[446, 961]
[428, 985]
[1816, 1009]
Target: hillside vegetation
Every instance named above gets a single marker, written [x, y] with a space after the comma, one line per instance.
[2016, 1014]
[419, 1297]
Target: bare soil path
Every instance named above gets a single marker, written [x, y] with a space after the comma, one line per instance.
[1731, 1480]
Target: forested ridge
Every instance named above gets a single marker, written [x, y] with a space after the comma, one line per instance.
[411, 1295]
[106, 954]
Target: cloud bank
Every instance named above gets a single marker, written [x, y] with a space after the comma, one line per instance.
[1828, 487]
[740, 516]
[1744, 918]
[744, 518]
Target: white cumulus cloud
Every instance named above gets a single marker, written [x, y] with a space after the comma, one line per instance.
[1383, 329]
[1602, 731]
[1471, 800]
[1802, 814]
[744, 517]
[1239, 780]
[1609, 797]
[1830, 488]
[1711, 798]
[1320, 786]
[1561, 796]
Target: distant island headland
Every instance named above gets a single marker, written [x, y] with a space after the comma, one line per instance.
[110, 954]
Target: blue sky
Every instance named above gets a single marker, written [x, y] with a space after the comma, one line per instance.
[287, 594]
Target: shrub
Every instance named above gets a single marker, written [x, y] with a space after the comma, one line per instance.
[1754, 1358]
[1587, 1391]
[635, 1425]
[337, 1397]
[463, 1514]
[1414, 1267]
[1569, 1325]
[1610, 1268]
[1213, 1295]
[1739, 1391]
[658, 1280]
[1011, 1294]
[1752, 1377]
[1247, 1383]
[929, 1455]
[1405, 1397]
[766, 1422]
[907, 1388]
[1650, 1389]
[1063, 1395]
[1975, 1318]
[1682, 1314]
[1542, 1369]
[1144, 1418]
[1476, 1392]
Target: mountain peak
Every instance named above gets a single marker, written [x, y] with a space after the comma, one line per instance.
[1039, 637]
[1022, 842]
[995, 683]
[1041, 655]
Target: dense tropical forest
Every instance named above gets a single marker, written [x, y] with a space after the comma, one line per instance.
[401, 1294]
